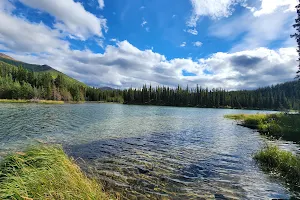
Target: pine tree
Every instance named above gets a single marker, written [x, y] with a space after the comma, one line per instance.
[297, 36]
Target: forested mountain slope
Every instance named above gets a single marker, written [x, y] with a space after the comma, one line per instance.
[38, 68]
[19, 80]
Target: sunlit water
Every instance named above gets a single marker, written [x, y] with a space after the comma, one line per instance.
[149, 152]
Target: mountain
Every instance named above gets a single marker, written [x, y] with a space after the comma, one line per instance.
[37, 68]
[6, 56]
[107, 88]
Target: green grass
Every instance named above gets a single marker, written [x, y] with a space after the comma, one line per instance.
[45, 172]
[50, 102]
[280, 162]
[286, 126]
[14, 101]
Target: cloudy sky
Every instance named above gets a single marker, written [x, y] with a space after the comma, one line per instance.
[233, 44]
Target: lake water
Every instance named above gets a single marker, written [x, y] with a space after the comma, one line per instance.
[149, 152]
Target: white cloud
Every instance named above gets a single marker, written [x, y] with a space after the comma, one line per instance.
[198, 44]
[100, 43]
[258, 31]
[101, 4]
[183, 44]
[147, 29]
[124, 66]
[6, 6]
[144, 23]
[192, 31]
[142, 7]
[71, 17]
[19, 35]
[270, 6]
[113, 40]
[211, 8]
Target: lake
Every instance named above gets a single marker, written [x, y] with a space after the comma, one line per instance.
[147, 151]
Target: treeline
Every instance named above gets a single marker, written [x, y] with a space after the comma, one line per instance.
[279, 97]
[96, 94]
[20, 83]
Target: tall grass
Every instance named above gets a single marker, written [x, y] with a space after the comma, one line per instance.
[30, 101]
[281, 162]
[282, 125]
[13, 101]
[45, 172]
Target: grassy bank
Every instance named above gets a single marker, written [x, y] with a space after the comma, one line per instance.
[282, 125]
[280, 162]
[13, 101]
[30, 101]
[45, 172]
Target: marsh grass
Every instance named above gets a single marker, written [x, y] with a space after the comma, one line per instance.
[50, 102]
[45, 172]
[13, 101]
[286, 126]
[280, 162]
[30, 101]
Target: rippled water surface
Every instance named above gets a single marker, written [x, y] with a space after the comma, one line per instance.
[149, 152]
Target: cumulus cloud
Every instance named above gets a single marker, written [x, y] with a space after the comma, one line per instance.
[124, 66]
[192, 31]
[6, 6]
[19, 35]
[80, 24]
[217, 9]
[270, 6]
[198, 44]
[183, 44]
[211, 8]
[101, 4]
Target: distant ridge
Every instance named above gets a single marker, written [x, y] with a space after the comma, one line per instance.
[2, 55]
[107, 88]
[37, 68]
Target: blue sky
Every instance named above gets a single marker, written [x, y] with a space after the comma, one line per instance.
[233, 44]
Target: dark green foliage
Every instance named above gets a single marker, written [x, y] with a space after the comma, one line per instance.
[279, 97]
[297, 35]
[95, 94]
[19, 83]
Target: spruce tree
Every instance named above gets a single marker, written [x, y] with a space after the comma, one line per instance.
[297, 36]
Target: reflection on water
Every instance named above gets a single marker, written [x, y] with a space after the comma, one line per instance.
[149, 152]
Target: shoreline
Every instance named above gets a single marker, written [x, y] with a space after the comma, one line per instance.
[276, 162]
[279, 125]
[104, 102]
[30, 101]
